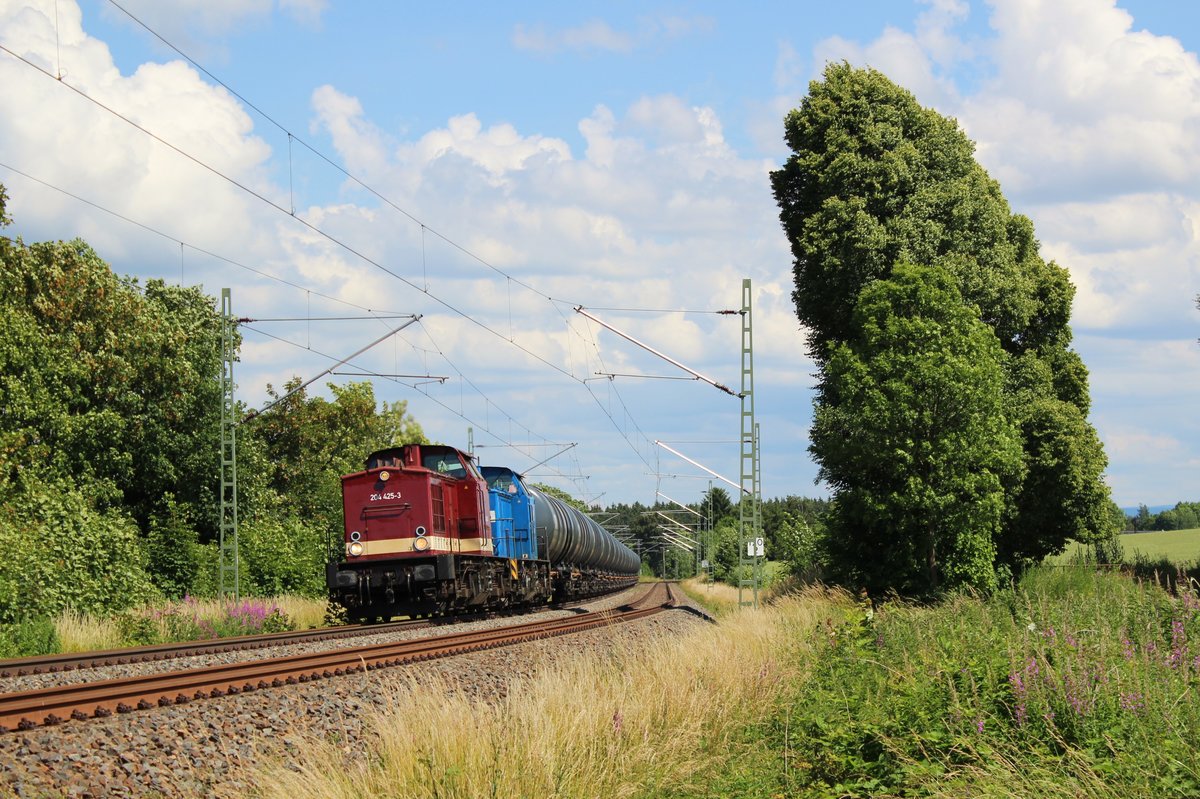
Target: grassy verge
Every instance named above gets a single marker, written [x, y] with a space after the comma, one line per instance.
[630, 721]
[719, 598]
[1074, 684]
[189, 619]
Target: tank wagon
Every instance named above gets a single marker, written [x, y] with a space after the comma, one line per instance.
[429, 532]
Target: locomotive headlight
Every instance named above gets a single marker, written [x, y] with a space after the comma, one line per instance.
[355, 548]
[383, 477]
[420, 544]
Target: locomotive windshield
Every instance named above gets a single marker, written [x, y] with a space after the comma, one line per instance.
[388, 458]
[447, 463]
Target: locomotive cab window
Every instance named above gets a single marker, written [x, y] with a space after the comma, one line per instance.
[446, 463]
[502, 482]
[387, 459]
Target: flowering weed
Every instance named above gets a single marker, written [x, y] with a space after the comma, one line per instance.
[193, 620]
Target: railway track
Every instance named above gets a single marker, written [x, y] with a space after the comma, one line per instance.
[53, 705]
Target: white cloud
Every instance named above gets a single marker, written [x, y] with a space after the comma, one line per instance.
[1082, 104]
[363, 146]
[917, 61]
[75, 143]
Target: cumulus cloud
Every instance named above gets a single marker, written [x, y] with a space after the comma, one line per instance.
[1081, 103]
[918, 60]
[75, 143]
[650, 199]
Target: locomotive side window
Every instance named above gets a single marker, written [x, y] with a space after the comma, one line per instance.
[502, 482]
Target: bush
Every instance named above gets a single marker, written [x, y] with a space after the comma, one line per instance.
[61, 551]
[282, 556]
[28, 637]
[172, 548]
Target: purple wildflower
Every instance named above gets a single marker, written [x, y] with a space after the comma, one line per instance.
[1133, 702]
[1178, 645]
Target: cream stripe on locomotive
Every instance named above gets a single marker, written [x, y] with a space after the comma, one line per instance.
[437, 543]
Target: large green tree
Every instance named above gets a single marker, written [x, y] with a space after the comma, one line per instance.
[875, 181]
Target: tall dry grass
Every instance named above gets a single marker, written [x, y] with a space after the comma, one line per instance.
[305, 612]
[79, 632]
[635, 720]
[719, 598]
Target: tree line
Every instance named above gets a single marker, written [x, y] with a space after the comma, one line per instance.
[792, 528]
[1184, 516]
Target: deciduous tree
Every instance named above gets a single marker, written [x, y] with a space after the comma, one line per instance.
[875, 181]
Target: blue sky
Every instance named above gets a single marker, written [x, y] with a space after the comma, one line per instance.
[610, 155]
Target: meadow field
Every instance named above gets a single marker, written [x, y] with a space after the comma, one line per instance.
[1178, 546]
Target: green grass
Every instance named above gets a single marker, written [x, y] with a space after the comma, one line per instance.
[1178, 546]
[1075, 683]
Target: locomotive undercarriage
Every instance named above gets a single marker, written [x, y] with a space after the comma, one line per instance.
[448, 585]
[438, 585]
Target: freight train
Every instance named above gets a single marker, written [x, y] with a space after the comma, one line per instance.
[428, 532]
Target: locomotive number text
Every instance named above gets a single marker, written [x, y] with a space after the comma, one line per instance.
[384, 495]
